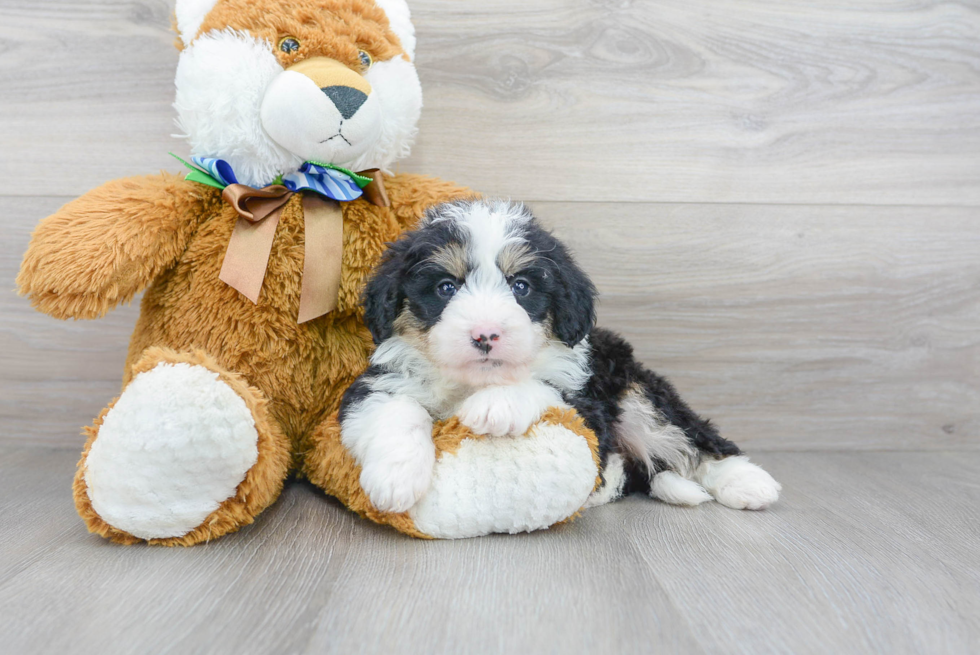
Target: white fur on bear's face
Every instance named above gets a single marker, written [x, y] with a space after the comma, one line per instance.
[300, 118]
[221, 81]
[190, 16]
[399, 93]
[235, 102]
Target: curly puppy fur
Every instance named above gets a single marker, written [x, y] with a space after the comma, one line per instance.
[483, 315]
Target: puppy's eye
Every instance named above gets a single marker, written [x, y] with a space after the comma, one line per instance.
[520, 287]
[365, 58]
[288, 44]
[446, 289]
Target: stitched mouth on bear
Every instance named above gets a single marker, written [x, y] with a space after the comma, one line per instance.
[338, 134]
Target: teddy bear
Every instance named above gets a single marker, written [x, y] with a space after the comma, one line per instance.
[252, 266]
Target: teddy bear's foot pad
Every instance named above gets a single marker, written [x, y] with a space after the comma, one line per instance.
[507, 484]
[176, 444]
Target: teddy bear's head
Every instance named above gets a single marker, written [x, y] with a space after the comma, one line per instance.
[267, 86]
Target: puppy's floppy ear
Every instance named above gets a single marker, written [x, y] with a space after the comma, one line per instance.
[383, 295]
[573, 298]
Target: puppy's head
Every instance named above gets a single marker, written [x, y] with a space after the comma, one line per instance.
[480, 288]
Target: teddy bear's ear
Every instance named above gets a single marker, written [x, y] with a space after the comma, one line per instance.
[400, 19]
[190, 15]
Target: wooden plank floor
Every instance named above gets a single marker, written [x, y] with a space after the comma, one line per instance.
[865, 553]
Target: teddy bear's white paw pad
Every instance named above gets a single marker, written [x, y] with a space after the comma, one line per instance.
[176, 444]
[737, 483]
[507, 484]
[395, 482]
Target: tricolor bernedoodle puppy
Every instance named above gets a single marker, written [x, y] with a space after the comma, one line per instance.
[482, 314]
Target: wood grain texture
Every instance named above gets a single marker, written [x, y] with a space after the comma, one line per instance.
[714, 101]
[797, 327]
[809, 328]
[865, 553]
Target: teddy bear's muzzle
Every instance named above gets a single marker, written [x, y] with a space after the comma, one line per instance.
[321, 110]
[329, 73]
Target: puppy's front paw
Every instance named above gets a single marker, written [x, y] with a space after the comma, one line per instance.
[496, 412]
[394, 481]
[391, 438]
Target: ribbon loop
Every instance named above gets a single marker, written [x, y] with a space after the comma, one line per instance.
[255, 205]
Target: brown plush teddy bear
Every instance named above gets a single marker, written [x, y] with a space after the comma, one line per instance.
[251, 325]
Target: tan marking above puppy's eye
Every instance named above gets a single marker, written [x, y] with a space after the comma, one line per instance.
[289, 44]
[453, 259]
[366, 60]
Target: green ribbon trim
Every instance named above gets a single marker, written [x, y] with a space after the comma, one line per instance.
[199, 175]
[359, 180]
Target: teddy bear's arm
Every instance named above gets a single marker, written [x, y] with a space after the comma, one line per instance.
[104, 247]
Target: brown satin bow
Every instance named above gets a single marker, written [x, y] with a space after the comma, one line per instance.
[247, 257]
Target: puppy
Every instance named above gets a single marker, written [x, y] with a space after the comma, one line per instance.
[482, 314]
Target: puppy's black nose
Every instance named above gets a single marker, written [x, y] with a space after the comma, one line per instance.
[482, 343]
[347, 99]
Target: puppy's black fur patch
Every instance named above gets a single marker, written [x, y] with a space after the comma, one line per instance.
[569, 291]
[615, 370]
[358, 391]
[392, 284]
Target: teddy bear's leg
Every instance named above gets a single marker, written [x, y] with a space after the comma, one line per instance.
[186, 454]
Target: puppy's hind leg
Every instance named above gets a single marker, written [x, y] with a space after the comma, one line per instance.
[669, 450]
[738, 483]
[694, 460]
[718, 465]
[660, 452]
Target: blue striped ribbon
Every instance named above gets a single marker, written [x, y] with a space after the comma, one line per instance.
[219, 169]
[325, 181]
[310, 177]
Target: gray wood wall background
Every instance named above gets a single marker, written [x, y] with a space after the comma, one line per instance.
[778, 199]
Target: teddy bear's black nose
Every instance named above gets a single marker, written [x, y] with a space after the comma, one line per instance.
[347, 99]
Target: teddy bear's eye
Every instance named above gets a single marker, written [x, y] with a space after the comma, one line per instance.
[366, 60]
[288, 44]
